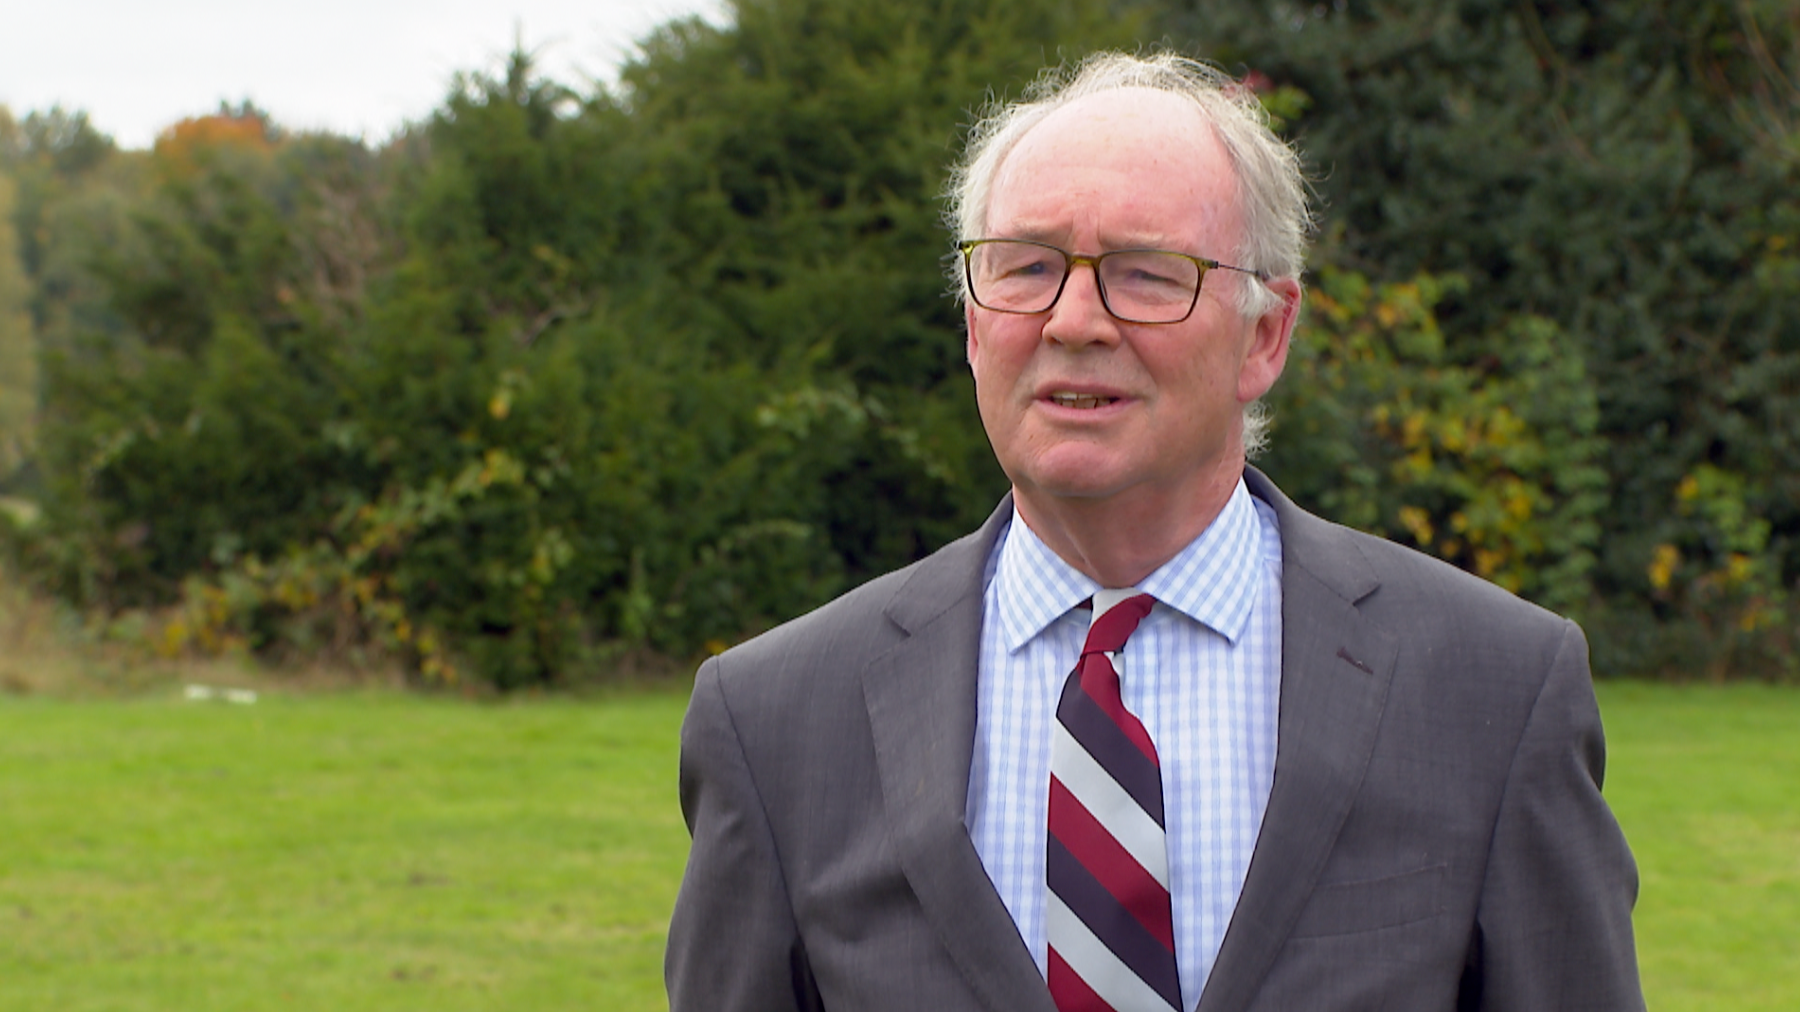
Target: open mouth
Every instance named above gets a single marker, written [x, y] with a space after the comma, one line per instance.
[1080, 400]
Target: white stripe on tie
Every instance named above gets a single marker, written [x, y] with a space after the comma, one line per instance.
[1108, 803]
[1096, 965]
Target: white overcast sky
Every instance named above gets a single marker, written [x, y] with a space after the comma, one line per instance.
[351, 66]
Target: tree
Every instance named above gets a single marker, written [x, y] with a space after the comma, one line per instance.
[18, 346]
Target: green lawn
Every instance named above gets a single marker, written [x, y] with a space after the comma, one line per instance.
[337, 853]
[1706, 782]
[385, 851]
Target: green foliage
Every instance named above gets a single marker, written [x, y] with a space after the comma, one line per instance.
[191, 434]
[1485, 457]
[552, 376]
[1718, 594]
[18, 347]
[1625, 171]
[72, 186]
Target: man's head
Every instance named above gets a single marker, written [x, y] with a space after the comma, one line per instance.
[1273, 192]
[1127, 153]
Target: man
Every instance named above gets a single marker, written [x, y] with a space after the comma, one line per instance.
[1326, 772]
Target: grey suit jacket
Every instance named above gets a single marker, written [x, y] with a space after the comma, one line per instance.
[1435, 837]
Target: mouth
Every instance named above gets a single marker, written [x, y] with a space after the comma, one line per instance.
[1063, 399]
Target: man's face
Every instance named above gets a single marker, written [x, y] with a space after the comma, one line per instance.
[1077, 404]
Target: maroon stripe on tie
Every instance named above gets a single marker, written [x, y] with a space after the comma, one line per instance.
[1101, 683]
[1088, 842]
[1109, 632]
[1069, 991]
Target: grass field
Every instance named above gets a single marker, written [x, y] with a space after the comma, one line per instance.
[1706, 782]
[340, 852]
[349, 851]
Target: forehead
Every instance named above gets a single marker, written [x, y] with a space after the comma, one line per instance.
[1132, 166]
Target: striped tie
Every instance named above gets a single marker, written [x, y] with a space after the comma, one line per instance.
[1112, 937]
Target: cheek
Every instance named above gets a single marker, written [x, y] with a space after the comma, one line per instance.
[999, 351]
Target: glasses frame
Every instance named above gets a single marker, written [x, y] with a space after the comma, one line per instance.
[1073, 260]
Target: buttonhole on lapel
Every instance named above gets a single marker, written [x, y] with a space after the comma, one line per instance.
[1360, 666]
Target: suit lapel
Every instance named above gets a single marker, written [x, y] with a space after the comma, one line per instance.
[1335, 672]
[921, 700]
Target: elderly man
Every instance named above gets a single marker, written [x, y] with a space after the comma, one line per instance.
[1153, 738]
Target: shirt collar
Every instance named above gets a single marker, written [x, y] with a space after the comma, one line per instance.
[1212, 580]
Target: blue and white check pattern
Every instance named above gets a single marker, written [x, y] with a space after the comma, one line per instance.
[1203, 673]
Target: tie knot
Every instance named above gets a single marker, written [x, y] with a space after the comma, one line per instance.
[1115, 622]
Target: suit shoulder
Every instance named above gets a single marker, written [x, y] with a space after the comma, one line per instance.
[1459, 644]
[1426, 602]
[853, 623]
[1412, 572]
[1384, 578]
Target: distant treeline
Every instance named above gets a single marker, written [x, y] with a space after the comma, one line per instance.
[561, 373]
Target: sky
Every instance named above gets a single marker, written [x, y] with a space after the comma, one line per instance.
[356, 67]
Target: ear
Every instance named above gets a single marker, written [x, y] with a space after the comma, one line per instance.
[1270, 336]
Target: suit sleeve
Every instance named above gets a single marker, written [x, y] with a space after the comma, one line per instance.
[733, 943]
[1555, 912]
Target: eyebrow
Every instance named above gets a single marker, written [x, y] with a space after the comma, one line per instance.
[1054, 238]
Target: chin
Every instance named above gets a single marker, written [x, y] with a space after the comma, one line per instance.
[1069, 468]
[1071, 486]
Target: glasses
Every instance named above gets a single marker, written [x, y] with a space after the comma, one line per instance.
[1136, 285]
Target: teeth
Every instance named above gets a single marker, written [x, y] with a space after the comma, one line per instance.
[1079, 400]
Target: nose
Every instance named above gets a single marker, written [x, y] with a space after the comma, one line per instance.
[1080, 316]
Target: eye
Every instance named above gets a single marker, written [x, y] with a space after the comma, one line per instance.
[1024, 262]
[1145, 275]
[1151, 272]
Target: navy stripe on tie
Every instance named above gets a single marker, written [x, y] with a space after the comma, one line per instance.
[1110, 922]
[1123, 761]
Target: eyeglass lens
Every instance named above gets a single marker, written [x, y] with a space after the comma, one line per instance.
[1144, 286]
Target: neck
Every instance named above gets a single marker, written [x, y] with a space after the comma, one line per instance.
[1121, 539]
